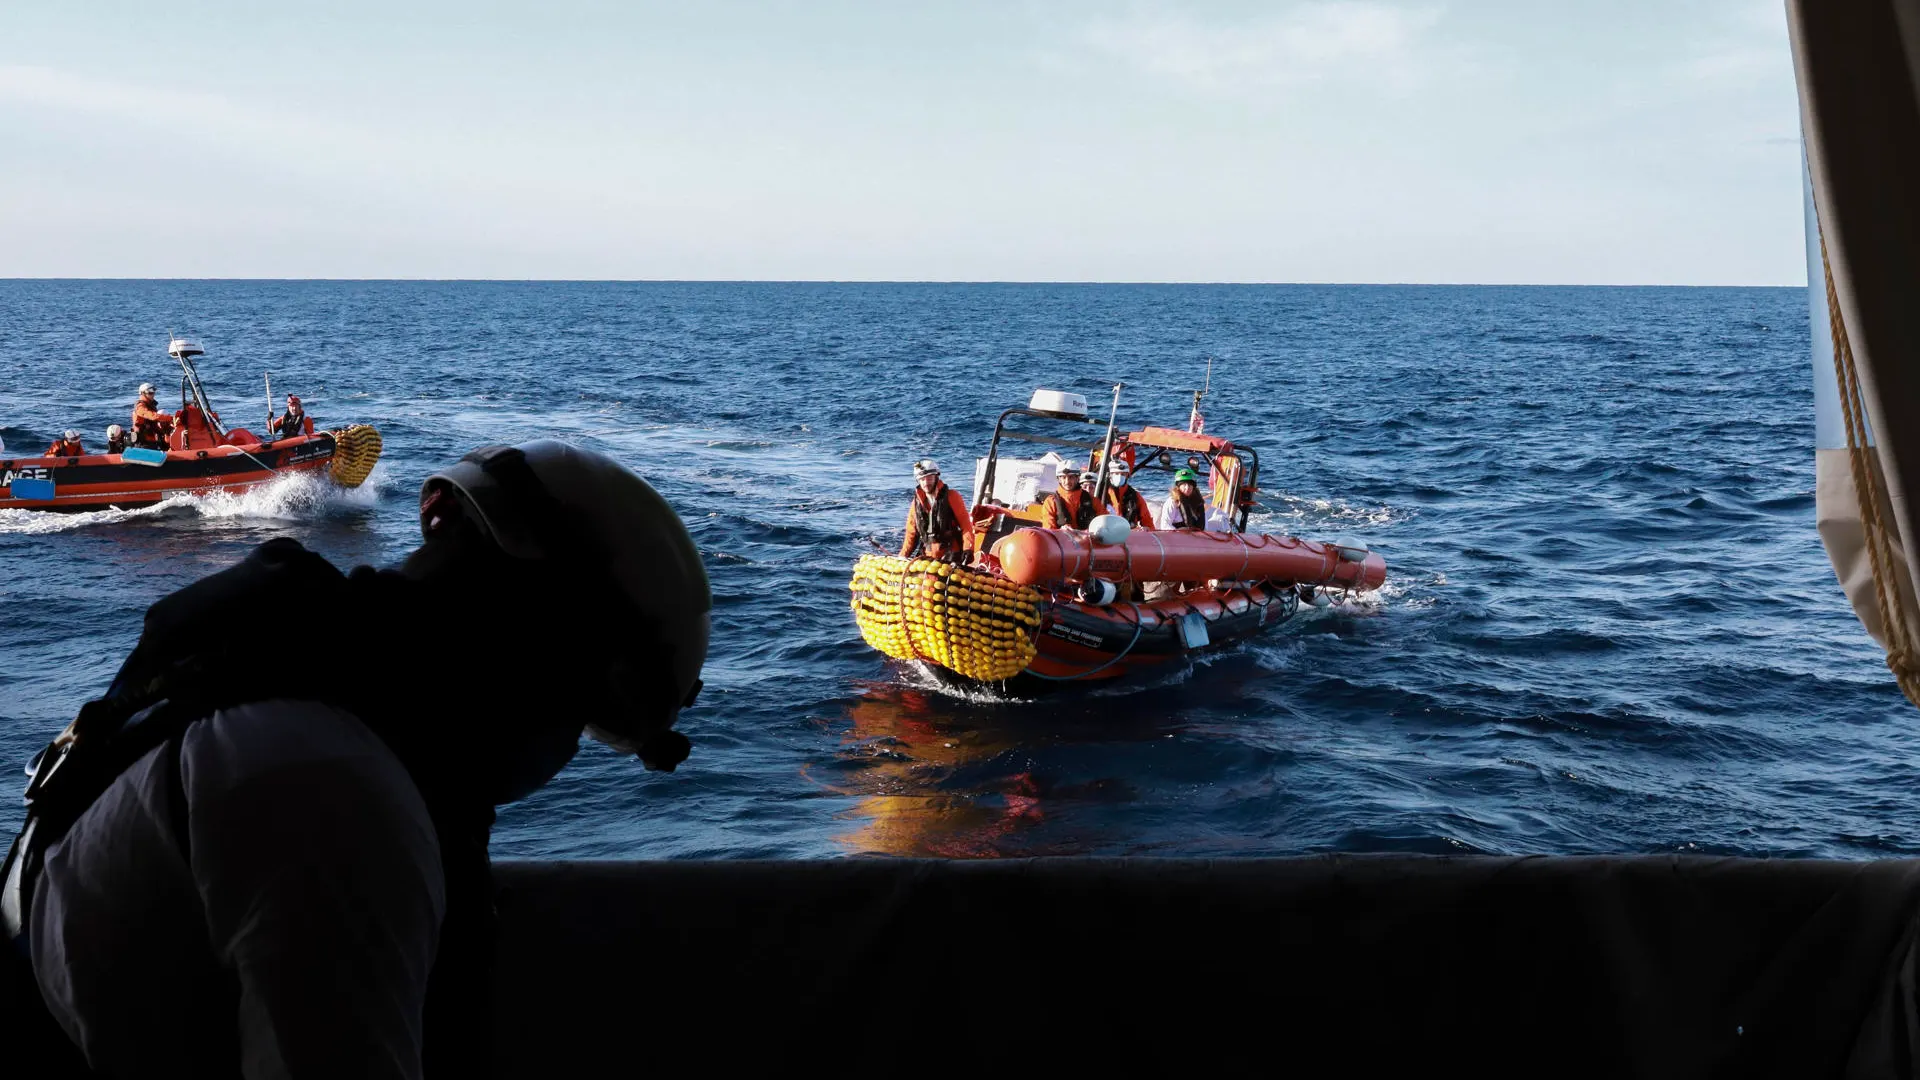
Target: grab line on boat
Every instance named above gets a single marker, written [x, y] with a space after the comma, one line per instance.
[1117, 657]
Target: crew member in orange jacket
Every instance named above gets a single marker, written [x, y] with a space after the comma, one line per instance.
[938, 520]
[67, 445]
[1124, 499]
[294, 421]
[150, 426]
[1068, 507]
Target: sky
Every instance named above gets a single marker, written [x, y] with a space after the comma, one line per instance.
[1471, 141]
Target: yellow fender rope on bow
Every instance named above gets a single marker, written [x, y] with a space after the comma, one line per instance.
[969, 622]
[1870, 493]
[355, 451]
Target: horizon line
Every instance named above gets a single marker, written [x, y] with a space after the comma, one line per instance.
[925, 281]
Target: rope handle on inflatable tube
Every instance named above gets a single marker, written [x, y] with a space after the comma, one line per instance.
[257, 461]
[1117, 657]
[1058, 538]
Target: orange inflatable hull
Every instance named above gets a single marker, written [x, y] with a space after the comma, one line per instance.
[1083, 643]
[1049, 556]
[101, 481]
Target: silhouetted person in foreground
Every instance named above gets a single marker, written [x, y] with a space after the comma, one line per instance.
[273, 862]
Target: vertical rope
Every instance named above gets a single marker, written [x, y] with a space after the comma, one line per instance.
[1869, 492]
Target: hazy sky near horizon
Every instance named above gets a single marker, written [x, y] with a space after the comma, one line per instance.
[1630, 141]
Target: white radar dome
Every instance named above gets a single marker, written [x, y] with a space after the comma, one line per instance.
[1059, 403]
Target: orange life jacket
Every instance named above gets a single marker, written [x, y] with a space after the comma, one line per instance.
[1128, 504]
[938, 522]
[1068, 508]
[63, 448]
[291, 424]
[150, 426]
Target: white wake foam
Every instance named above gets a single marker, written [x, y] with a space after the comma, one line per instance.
[918, 676]
[1292, 512]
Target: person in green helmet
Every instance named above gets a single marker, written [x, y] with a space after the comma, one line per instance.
[1185, 507]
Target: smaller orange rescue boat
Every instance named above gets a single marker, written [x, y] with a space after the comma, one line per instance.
[200, 456]
[1038, 606]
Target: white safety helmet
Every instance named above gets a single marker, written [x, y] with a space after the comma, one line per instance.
[925, 467]
[70, 435]
[146, 388]
[1117, 472]
[113, 431]
[555, 502]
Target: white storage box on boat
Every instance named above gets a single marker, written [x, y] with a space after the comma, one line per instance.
[1017, 482]
[1059, 403]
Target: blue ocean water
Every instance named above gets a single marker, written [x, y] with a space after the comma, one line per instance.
[1609, 625]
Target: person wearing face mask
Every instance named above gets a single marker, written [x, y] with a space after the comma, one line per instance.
[254, 863]
[1123, 499]
[938, 525]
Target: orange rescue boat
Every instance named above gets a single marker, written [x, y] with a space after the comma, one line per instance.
[1038, 607]
[201, 456]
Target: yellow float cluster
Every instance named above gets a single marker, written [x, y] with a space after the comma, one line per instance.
[355, 449]
[969, 622]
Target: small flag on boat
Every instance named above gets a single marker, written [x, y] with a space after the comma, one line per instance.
[1196, 424]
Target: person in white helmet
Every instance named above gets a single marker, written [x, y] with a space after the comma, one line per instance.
[238, 863]
[1069, 506]
[67, 445]
[1124, 499]
[116, 438]
[938, 525]
[151, 426]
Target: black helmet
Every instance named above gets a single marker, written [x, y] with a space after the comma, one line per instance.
[583, 512]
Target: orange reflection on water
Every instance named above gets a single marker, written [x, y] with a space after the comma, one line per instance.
[913, 761]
